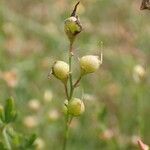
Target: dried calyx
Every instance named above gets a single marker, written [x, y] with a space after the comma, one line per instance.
[145, 4]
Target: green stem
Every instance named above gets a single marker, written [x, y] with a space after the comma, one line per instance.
[66, 132]
[8, 145]
[70, 70]
[74, 86]
[76, 83]
[66, 90]
[69, 96]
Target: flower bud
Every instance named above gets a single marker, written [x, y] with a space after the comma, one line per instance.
[61, 70]
[76, 107]
[89, 64]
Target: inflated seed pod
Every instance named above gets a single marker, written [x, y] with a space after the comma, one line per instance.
[72, 25]
[60, 70]
[76, 107]
[89, 64]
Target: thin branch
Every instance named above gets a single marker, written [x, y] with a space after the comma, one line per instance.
[70, 69]
[76, 83]
[101, 52]
[66, 91]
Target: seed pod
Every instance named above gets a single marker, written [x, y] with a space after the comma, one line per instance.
[89, 64]
[76, 107]
[65, 106]
[72, 25]
[60, 70]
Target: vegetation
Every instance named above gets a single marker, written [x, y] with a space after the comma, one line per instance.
[116, 97]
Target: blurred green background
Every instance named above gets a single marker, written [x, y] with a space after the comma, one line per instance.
[117, 97]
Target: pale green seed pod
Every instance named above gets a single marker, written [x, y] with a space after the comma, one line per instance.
[60, 70]
[76, 107]
[65, 107]
[72, 27]
[89, 64]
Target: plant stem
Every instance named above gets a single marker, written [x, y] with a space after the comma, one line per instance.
[70, 70]
[76, 83]
[6, 139]
[66, 90]
[74, 86]
[69, 96]
[66, 132]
